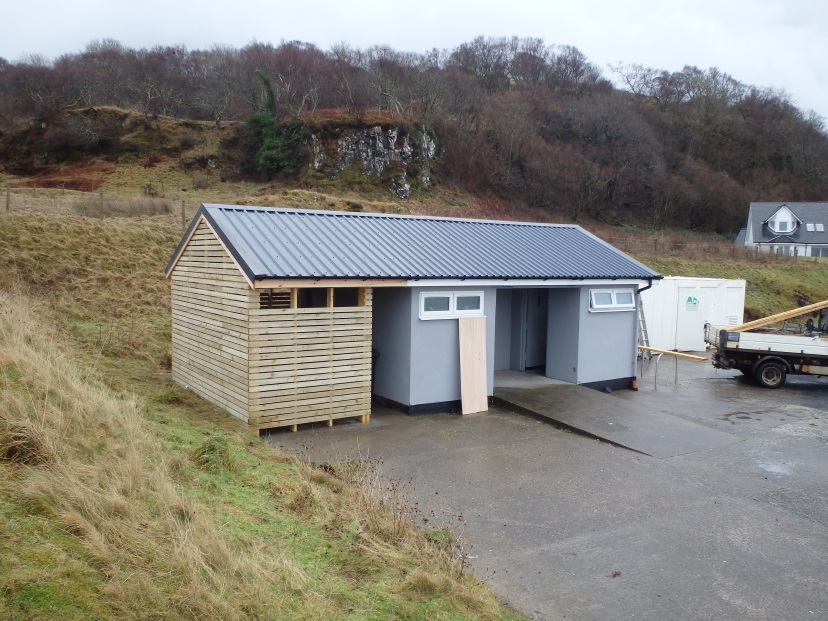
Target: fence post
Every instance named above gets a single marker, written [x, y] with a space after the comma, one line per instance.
[100, 197]
[8, 199]
[183, 216]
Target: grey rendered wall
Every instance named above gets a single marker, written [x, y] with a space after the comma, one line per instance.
[392, 339]
[607, 343]
[503, 330]
[435, 350]
[563, 334]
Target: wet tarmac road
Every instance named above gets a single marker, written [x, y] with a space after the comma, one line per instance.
[567, 527]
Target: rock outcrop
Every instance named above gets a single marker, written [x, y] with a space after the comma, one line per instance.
[401, 155]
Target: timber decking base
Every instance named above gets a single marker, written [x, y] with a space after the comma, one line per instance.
[294, 427]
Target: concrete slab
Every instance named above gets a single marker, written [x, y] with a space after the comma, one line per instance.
[637, 426]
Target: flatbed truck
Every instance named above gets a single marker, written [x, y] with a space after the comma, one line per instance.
[769, 356]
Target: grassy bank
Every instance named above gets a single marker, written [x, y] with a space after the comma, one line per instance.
[123, 496]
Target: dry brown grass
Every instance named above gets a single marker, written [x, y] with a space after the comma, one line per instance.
[92, 467]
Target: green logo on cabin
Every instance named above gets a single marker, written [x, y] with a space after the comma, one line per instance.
[692, 304]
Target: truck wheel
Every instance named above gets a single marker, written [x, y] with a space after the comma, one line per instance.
[771, 375]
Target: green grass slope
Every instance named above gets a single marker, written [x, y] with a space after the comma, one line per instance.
[124, 496]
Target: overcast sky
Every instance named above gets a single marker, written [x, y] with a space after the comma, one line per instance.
[778, 43]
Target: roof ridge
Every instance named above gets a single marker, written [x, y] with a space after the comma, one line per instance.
[390, 216]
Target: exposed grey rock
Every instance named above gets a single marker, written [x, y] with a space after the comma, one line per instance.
[373, 150]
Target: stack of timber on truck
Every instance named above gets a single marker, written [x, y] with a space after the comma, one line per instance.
[769, 355]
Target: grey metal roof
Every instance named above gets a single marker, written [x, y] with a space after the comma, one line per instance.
[740, 238]
[293, 243]
[805, 212]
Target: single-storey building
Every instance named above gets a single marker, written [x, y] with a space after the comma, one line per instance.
[794, 229]
[287, 316]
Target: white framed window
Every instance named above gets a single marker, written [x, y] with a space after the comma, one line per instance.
[809, 226]
[781, 226]
[820, 227]
[601, 300]
[451, 304]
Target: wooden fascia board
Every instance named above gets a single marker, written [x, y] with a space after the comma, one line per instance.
[306, 283]
[183, 245]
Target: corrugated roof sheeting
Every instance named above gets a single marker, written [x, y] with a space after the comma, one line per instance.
[289, 243]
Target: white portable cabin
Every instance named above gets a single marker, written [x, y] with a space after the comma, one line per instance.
[676, 309]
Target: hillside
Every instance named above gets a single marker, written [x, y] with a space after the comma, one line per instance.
[122, 495]
[536, 126]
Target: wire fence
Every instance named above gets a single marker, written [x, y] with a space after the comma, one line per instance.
[98, 204]
[162, 197]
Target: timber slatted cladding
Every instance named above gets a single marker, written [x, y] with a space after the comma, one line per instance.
[309, 364]
[250, 352]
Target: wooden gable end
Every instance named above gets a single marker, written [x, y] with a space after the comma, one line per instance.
[210, 322]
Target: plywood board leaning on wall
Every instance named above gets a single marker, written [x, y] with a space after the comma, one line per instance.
[473, 365]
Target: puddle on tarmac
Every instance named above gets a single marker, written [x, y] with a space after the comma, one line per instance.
[735, 417]
[776, 467]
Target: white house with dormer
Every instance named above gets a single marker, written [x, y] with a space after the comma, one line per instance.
[794, 229]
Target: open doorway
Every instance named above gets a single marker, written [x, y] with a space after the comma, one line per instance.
[536, 312]
[520, 329]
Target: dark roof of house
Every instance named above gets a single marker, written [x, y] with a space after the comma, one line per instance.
[294, 243]
[805, 212]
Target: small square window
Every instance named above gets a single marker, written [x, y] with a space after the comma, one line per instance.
[624, 298]
[820, 227]
[809, 227]
[781, 226]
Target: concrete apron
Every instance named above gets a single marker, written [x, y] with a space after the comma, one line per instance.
[624, 423]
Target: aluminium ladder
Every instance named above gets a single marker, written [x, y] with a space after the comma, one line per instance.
[643, 335]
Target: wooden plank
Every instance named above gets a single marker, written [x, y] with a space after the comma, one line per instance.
[295, 410]
[218, 376]
[306, 399]
[673, 353]
[473, 384]
[234, 298]
[298, 413]
[304, 283]
[187, 327]
[317, 418]
[791, 314]
[217, 397]
[220, 367]
[260, 377]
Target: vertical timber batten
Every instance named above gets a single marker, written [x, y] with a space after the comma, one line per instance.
[270, 366]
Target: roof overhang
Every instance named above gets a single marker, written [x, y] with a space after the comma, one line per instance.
[291, 283]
